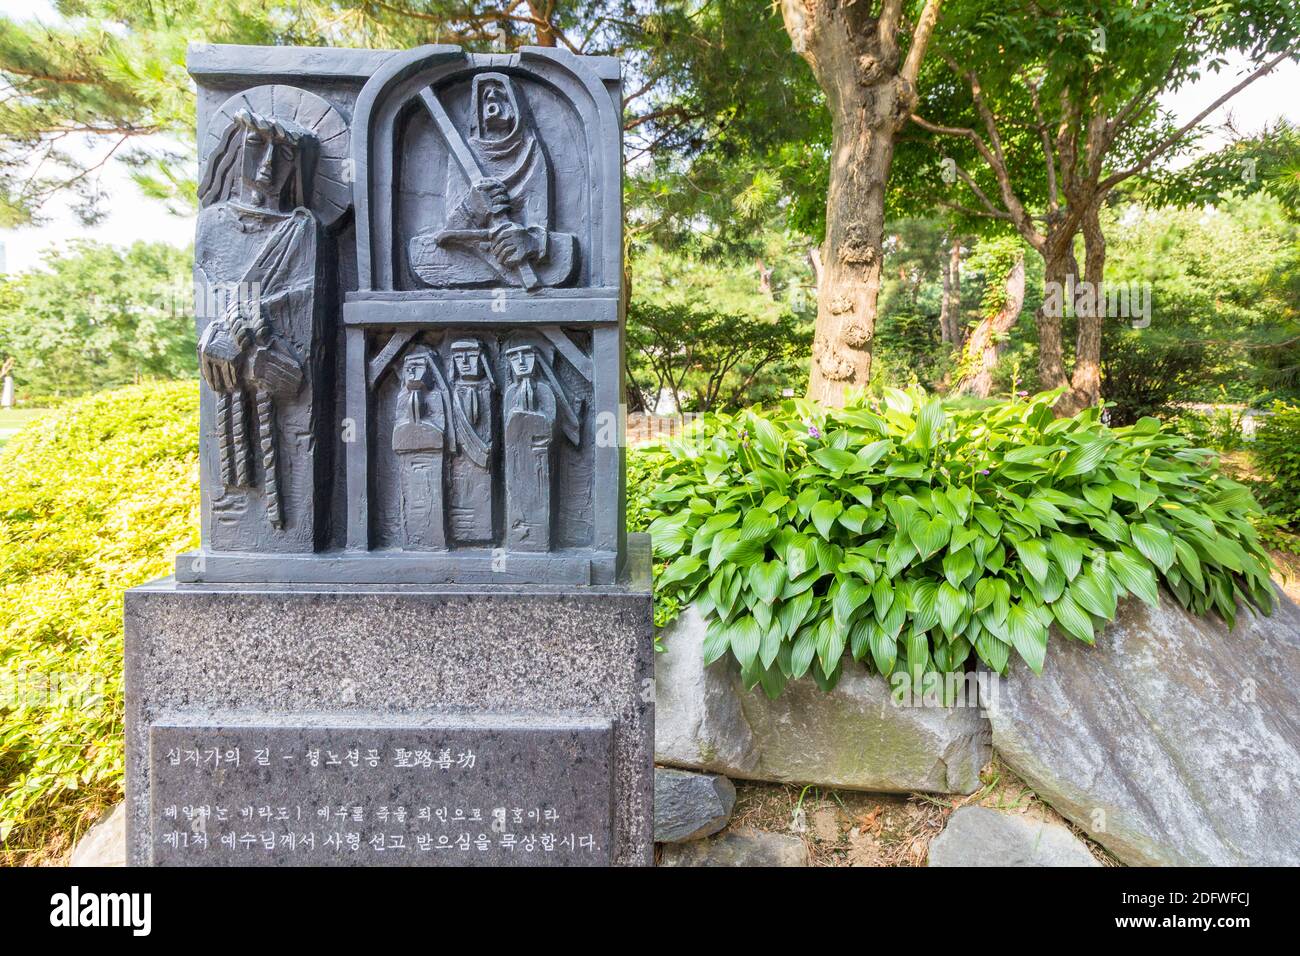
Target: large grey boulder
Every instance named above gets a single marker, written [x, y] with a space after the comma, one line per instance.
[104, 844]
[855, 737]
[979, 836]
[1173, 742]
[691, 805]
[739, 847]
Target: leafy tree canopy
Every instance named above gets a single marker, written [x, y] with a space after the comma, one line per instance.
[99, 315]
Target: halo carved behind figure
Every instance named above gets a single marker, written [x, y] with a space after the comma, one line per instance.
[331, 192]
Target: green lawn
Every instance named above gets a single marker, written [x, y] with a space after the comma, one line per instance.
[12, 419]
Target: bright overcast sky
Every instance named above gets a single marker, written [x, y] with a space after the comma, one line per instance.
[133, 217]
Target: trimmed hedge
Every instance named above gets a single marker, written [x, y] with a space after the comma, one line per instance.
[94, 498]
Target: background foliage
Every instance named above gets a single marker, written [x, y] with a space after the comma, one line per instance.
[97, 316]
[95, 498]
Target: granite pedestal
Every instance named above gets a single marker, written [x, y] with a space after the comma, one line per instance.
[318, 725]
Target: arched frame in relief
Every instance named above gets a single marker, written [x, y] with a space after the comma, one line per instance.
[400, 80]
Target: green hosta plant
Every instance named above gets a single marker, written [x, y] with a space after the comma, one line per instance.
[912, 533]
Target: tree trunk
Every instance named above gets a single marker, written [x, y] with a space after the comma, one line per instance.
[950, 326]
[987, 341]
[1060, 270]
[541, 13]
[855, 59]
[1090, 315]
[815, 263]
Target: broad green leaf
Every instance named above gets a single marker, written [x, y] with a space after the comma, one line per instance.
[951, 603]
[1154, 542]
[834, 460]
[1189, 562]
[717, 639]
[1068, 553]
[929, 425]
[758, 526]
[1084, 459]
[993, 652]
[882, 596]
[1098, 496]
[929, 535]
[803, 651]
[1086, 592]
[849, 596]
[1028, 636]
[745, 638]
[830, 644]
[1033, 555]
[1138, 579]
[917, 647]
[899, 555]
[824, 514]
[988, 519]
[868, 455]
[800, 556]
[1073, 618]
[957, 567]
[767, 579]
[682, 568]
[742, 552]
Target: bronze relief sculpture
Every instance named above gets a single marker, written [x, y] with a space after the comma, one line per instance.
[410, 331]
[257, 251]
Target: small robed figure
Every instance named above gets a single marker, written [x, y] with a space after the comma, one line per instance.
[419, 440]
[473, 425]
[536, 407]
[499, 214]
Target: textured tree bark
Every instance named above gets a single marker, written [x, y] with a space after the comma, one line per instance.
[985, 343]
[950, 328]
[870, 90]
[1060, 271]
[1090, 313]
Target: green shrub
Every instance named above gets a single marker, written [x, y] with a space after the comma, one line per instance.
[644, 466]
[1277, 453]
[911, 534]
[95, 498]
[1220, 430]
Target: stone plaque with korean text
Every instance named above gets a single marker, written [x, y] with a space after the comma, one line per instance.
[456, 794]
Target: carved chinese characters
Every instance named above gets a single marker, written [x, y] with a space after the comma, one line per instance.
[450, 795]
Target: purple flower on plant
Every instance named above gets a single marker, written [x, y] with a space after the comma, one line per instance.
[814, 432]
[984, 471]
[1023, 394]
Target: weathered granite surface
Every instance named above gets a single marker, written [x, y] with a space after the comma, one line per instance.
[689, 805]
[980, 836]
[1174, 742]
[304, 657]
[853, 737]
[738, 847]
[104, 844]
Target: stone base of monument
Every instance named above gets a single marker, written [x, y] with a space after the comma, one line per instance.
[398, 725]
